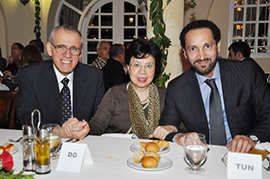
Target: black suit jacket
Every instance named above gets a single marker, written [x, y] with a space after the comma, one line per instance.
[38, 89]
[114, 74]
[257, 66]
[246, 98]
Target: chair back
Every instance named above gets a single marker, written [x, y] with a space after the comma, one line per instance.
[8, 102]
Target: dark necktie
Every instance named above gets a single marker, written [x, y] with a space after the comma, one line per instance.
[65, 99]
[218, 136]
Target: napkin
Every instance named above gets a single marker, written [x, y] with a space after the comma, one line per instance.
[129, 136]
[263, 146]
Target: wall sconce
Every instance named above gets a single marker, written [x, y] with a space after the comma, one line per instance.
[24, 2]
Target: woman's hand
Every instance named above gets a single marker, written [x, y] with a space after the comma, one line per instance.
[74, 128]
[162, 131]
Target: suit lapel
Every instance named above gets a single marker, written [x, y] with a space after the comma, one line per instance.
[229, 84]
[79, 88]
[195, 101]
[50, 87]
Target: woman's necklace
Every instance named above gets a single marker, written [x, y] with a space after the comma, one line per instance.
[145, 100]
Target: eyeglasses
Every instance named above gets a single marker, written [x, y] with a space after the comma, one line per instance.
[149, 67]
[63, 49]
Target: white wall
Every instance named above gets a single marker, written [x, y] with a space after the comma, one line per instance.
[20, 23]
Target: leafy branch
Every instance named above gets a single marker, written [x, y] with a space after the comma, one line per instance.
[10, 175]
[37, 28]
[159, 27]
[156, 12]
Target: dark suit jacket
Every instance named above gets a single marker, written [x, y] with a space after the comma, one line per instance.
[257, 66]
[114, 74]
[38, 89]
[246, 98]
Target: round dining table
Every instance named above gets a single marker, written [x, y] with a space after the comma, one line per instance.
[110, 156]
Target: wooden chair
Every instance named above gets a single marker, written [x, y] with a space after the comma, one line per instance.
[8, 102]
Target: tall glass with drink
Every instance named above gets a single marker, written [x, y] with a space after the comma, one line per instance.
[42, 152]
[195, 149]
[55, 138]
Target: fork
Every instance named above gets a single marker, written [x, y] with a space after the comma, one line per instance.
[11, 140]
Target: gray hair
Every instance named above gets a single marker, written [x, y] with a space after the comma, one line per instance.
[68, 28]
[99, 44]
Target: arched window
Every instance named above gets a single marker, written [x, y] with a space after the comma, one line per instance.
[116, 21]
[249, 22]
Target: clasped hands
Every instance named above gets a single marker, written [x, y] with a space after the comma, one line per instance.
[73, 128]
[240, 143]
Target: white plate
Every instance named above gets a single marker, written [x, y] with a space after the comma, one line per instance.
[137, 146]
[163, 164]
[14, 150]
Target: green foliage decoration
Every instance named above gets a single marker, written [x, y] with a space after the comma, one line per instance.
[10, 175]
[156, 12]
[37, 27]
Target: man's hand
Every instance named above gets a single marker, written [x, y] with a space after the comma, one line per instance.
[75, 129]
[162, 131]
[241, 144]
[7, 74]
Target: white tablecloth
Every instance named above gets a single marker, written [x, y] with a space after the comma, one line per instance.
[110, 157]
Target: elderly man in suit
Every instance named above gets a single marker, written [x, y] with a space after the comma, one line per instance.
[227, 101]
[103, 48]
[63, 82]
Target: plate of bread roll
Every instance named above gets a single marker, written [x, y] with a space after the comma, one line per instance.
[149, 161]
[9, 148]
[159, 146]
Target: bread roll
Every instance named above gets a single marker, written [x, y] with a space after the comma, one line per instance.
[143, 144]
[153, 154]
[151, 147]
[161, 143]
[138, 156]
[7, 146]
[149, 162]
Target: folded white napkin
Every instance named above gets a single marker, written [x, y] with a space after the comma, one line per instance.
[263, 146]
[130, 136]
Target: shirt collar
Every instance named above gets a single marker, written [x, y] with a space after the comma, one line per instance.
[60, 77]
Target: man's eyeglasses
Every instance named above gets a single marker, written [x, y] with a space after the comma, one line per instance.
[149, 67]
[62, 49]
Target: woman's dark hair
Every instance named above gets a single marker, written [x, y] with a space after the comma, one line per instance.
[19, 45]
[140, 48]
[199, 24]
[30, 54]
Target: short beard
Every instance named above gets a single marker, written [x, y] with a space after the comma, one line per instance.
[206, 71]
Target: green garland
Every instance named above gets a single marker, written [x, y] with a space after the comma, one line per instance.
[9, 175]
[159, 27]
[37, 27]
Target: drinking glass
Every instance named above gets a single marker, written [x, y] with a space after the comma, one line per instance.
[55, 139]
[195, 149]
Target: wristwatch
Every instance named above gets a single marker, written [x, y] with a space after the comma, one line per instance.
[255, 139]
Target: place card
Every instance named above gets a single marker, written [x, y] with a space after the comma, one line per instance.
[241, 165]
[73, 156]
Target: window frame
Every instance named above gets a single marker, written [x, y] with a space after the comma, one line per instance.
[231, 38]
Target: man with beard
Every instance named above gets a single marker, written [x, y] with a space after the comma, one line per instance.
[227, 101]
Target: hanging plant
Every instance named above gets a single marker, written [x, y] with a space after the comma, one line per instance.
[156, 12]
[37, 27]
